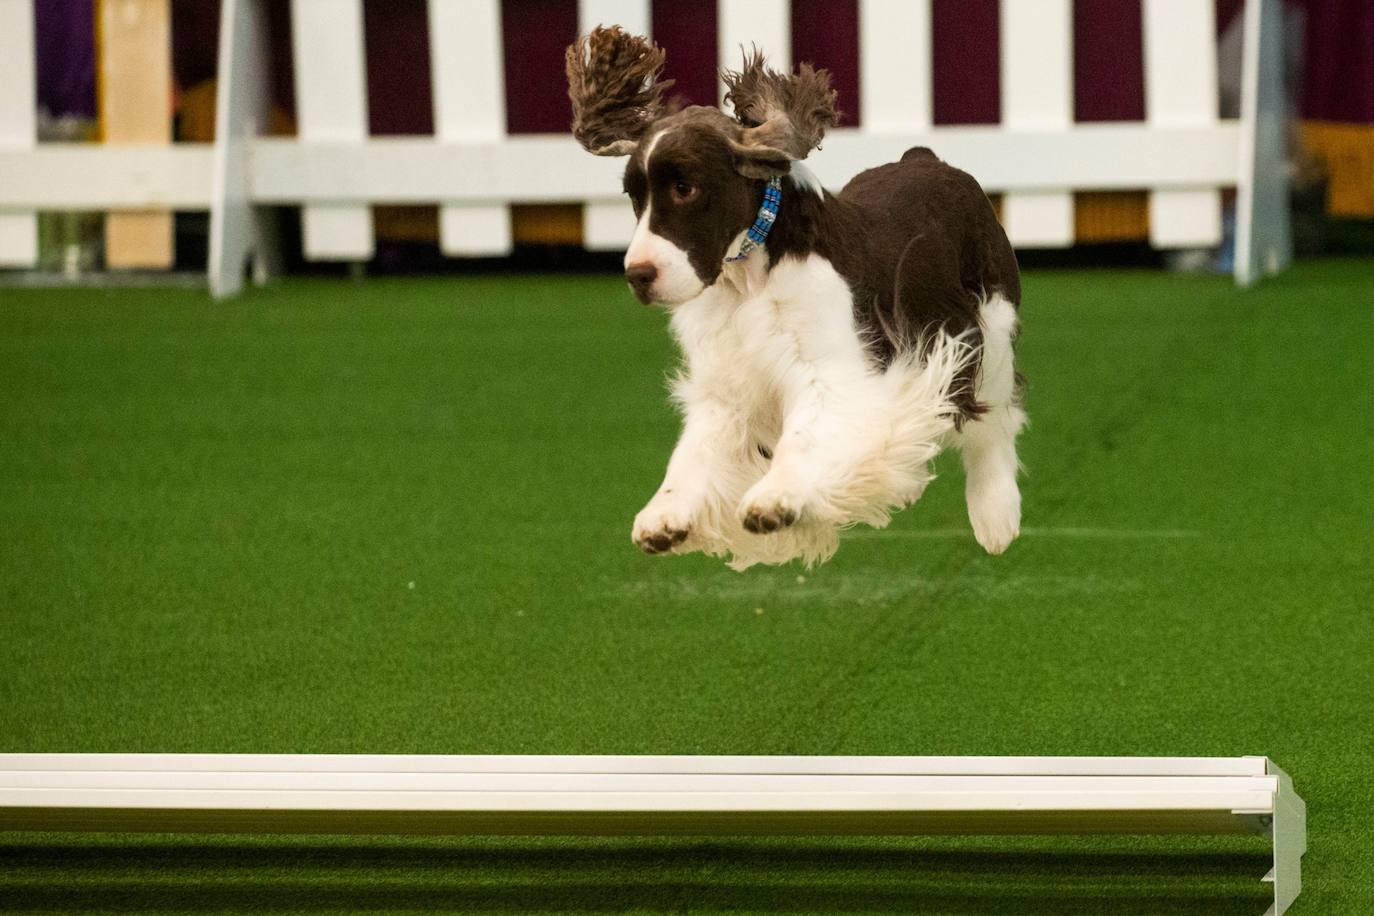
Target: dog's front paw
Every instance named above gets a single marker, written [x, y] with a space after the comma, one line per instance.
[759, 520]
[661, 526]
[766, 509]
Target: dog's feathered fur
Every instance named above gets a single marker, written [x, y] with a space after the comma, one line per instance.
[614, 86]
[784, 116]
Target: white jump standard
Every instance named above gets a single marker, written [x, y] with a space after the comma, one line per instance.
[604, 795]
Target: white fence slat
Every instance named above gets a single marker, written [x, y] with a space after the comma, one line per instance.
[549, 167]
[337, 232]
[1185, 218]
[468, 76]
[553, 168]
[1180, 54]
[1264, 241]
[1039, 219]
[1037, 94]
[475, 230]
[895, 65]
[18, 123]
[18, 239]
[634, 16]
[766, 24]
[91, 176]
[331, 107]
[608, 225]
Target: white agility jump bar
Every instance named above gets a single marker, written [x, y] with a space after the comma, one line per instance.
[659, 795]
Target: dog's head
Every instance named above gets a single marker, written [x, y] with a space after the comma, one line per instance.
[695, 175]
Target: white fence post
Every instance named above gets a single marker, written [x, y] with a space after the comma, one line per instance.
[331, 107]
[1264, 242]
[608, 225]
[1037, 94]
[469, 107]
[1180, 56]
[18, 123]
[237, 227]
[765, 23]
[895, 66]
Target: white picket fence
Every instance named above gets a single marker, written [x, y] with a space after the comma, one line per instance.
[1183, 153]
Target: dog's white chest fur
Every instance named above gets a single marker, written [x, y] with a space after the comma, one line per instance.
[791, 430]
[765, 347]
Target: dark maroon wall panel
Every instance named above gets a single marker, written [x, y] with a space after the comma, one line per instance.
[688, 33]
[195, 41]
[398, 84]
[826, 33]
[965, 59]
[1338, 83]
[535, 35]
[1108, 61]
[1228, 10]
[283, 72]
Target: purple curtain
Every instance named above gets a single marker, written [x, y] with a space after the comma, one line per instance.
[65, 49]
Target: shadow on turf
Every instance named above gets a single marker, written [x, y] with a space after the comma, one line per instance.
[533, 878]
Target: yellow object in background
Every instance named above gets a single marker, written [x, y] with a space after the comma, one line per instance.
[1347, 152]
[1111, 216]
[134, 49]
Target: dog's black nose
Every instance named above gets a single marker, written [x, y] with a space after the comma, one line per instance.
[641, 277]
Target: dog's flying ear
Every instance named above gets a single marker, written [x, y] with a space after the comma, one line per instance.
[615, 90]
[784, 115]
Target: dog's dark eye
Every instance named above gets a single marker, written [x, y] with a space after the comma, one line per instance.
[683, 192]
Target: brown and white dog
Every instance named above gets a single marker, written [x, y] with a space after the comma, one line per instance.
[827, 368]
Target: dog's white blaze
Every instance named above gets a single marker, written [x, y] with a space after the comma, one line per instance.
[677, 281]
[653, 142]
[786, 369]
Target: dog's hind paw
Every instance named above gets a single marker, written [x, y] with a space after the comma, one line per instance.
[994, 510]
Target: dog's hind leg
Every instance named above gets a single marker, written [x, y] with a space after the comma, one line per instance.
[988, 443]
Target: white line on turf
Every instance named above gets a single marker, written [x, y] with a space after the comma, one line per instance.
[1095, 533]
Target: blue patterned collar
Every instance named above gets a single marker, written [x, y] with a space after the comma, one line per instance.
[768, 213]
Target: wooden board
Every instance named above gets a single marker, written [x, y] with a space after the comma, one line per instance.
[135, 53]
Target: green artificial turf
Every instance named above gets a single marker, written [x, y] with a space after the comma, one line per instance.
[393, 517]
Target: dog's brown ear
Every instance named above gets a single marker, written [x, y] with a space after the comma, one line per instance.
[784, 115]
[614, 85]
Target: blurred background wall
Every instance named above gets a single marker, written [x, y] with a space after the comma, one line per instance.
[1331, 56]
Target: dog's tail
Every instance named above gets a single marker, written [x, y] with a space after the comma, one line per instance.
[916, 408]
